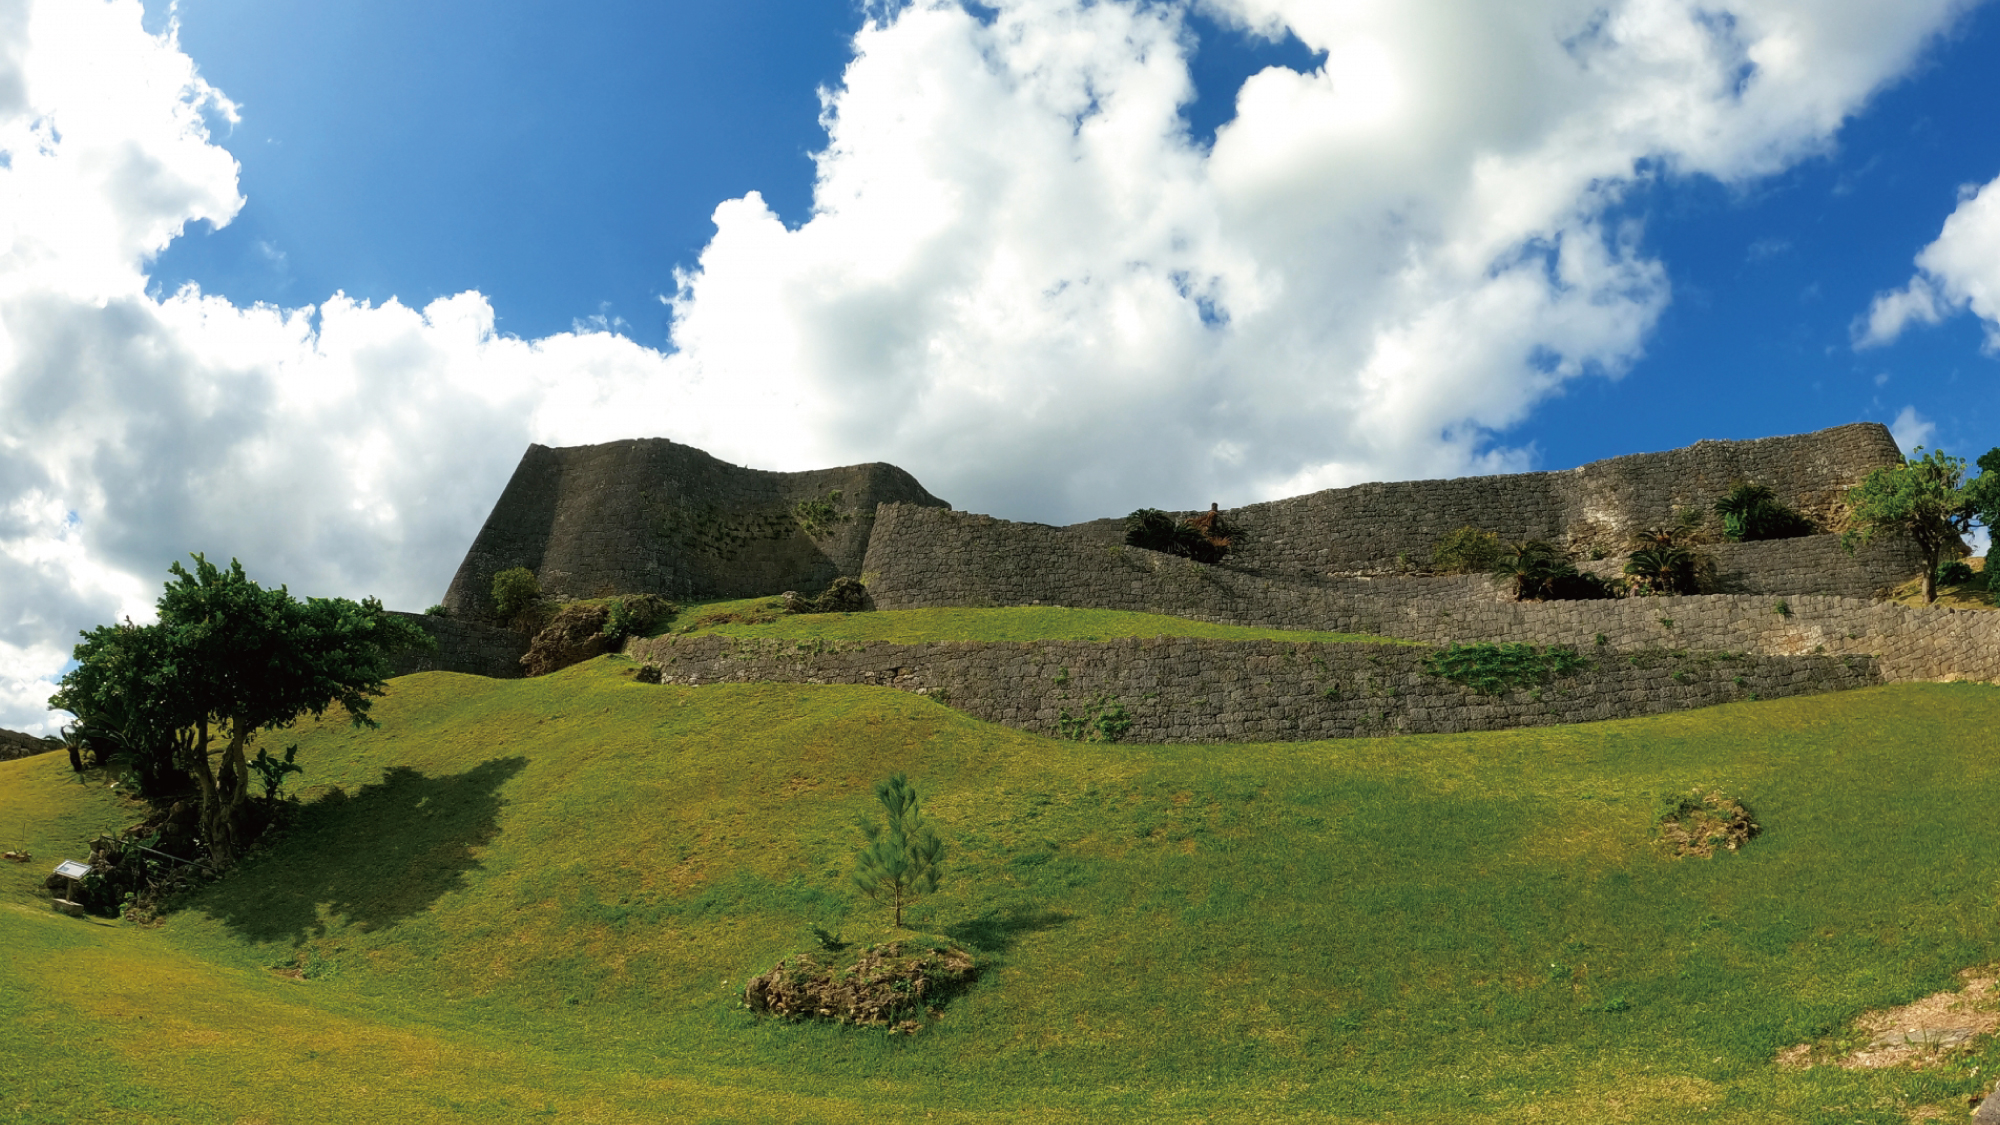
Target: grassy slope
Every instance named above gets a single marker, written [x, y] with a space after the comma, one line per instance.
[760, 617]
[538, 898]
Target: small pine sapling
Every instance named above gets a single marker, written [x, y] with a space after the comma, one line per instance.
[903, 859]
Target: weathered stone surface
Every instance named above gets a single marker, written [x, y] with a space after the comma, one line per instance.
[14, 744]
[471, 647]
[575, 635]
[654, 517]
[1179, 689]
[1988, 1112]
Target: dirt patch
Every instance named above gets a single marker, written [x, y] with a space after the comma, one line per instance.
[1698, 823]
[888, 985]
[1924, 1033]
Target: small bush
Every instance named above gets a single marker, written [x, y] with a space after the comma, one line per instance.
[1752, 512]
[514, 590]
[1663, 562]
[1467, 551]
[1206, 538]
[1953, 573]
[634, 614]
[437, 610]
[1539, 571]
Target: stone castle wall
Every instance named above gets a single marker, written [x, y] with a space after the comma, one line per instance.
[1186, 690]
[1598, 505]
[472, 647]
[655, 517]
[14, 744]
[928, 557]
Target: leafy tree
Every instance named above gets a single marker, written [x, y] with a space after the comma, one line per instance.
[903, 859]
[514, 590]
[228, 659]
[1924, 500]
[1752, 512]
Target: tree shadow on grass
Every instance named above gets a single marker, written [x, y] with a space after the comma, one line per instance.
[995, 931]
[375, 857]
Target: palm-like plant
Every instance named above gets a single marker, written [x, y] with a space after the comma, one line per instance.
[1663, 562]
[1534, 568]
[1752, 512]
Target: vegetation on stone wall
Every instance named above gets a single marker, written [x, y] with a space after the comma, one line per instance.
[1539, 571]
[514, 591]
[1665, 561]
[1468, 551]
[1752, 512]
[818, 517]
[1491, 669]
[1206, 538]
[1103, 719]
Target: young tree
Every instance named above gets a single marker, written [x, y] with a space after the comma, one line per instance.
[228, 659]
[1924, 500]
[903, 859]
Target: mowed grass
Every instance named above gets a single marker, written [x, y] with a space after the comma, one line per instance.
[538, 900]
[764, 617]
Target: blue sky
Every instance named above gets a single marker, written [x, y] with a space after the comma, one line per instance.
[566, 167]
[298, 283]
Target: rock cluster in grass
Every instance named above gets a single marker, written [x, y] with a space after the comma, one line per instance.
[890, 985]
[1181, 689]
[575, 635]
[846, 595]
[1699, 823]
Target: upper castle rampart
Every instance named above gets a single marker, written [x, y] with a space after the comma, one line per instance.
[656, 517]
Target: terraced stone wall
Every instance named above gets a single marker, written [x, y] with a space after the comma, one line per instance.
[932, 557]
[1602, 504]
[1188, 690]
[472, 647]
[952, 559]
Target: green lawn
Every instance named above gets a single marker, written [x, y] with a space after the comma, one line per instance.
[537, 900]
[764, 617]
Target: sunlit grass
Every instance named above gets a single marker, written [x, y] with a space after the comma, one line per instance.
[764, 617]
[544, 895]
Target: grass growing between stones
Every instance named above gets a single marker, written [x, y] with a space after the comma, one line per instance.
[539, 900]
[761, 617]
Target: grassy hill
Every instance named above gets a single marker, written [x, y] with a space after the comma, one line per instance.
[539, 900]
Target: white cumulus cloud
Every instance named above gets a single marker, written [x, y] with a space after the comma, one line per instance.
[1021, 279]
[1959, 271]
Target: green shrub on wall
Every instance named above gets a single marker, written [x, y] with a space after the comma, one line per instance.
[1468, 551]
[1540, 571]
[1490, 669]
[1752, 512]
[514, 590]
[1206, 538]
